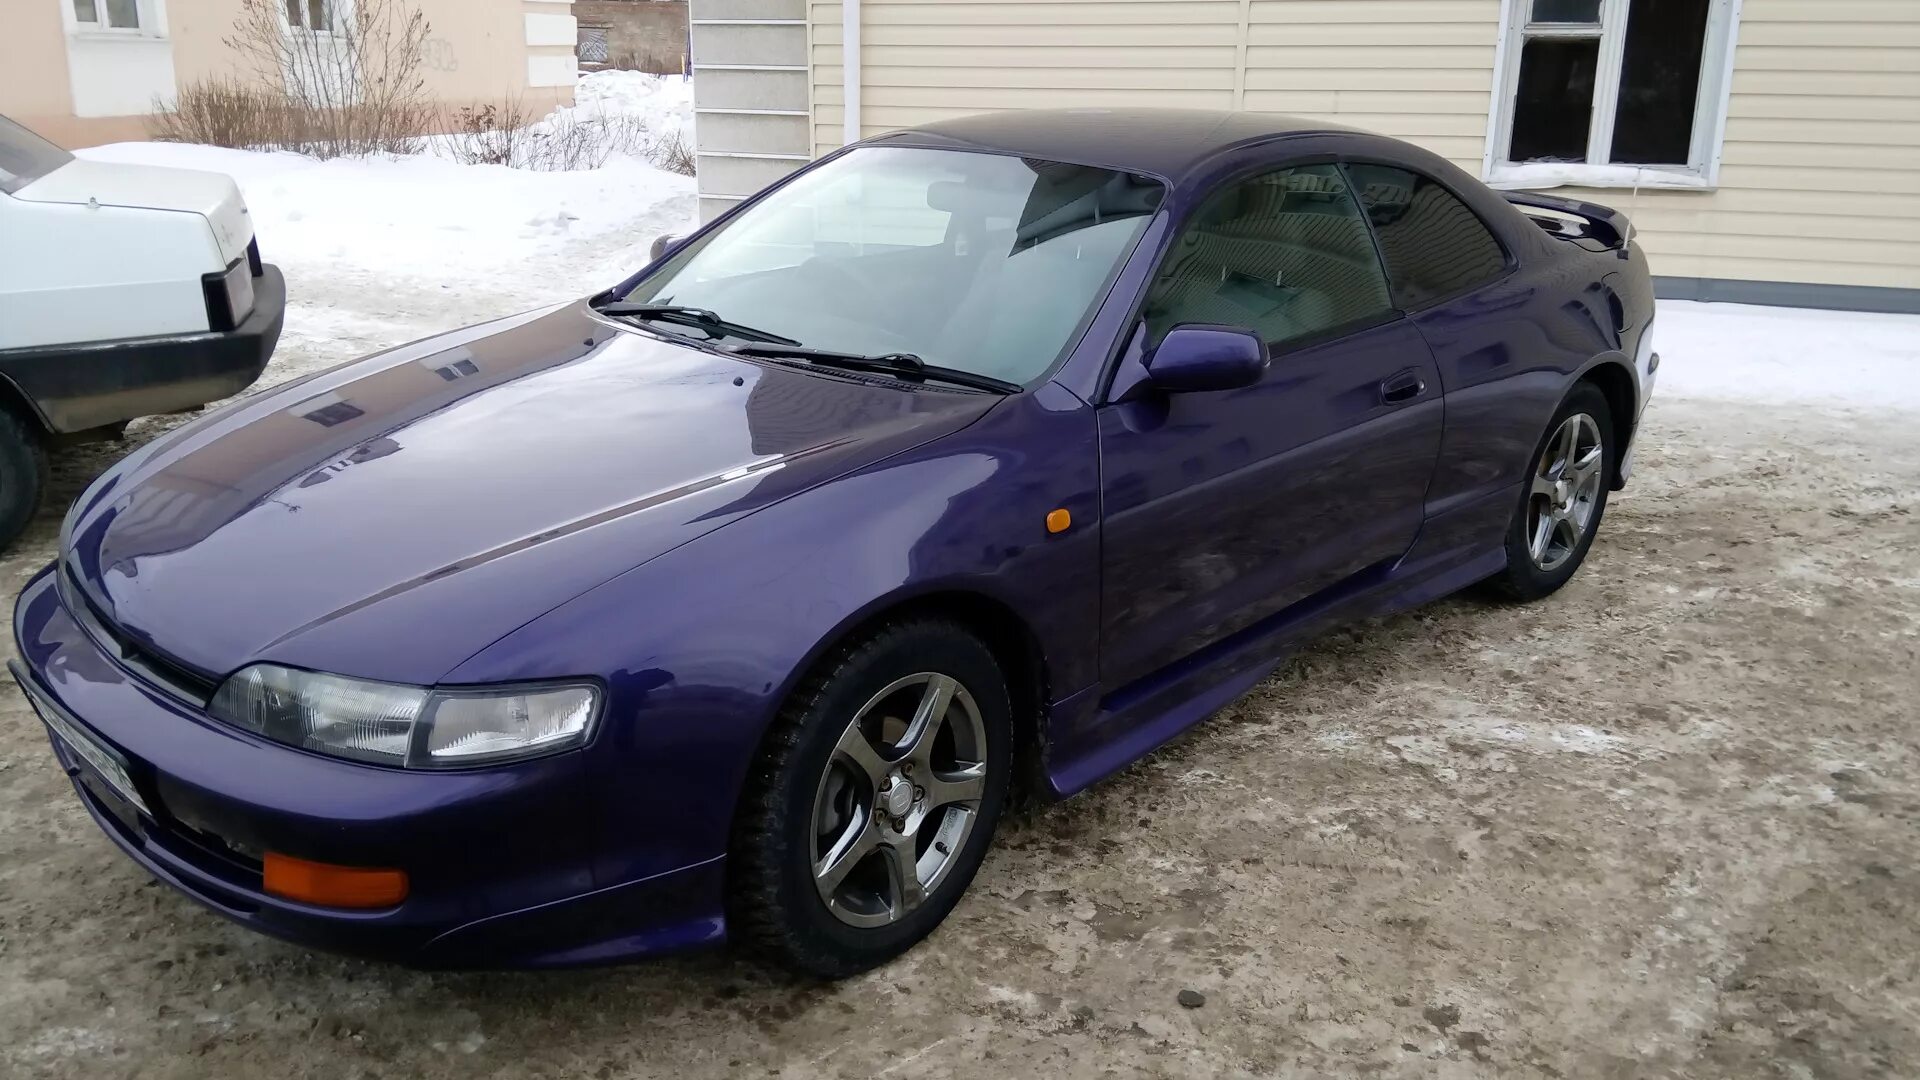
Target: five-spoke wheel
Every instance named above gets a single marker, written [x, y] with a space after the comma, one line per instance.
[898, 799]
[1566, 488]
[874, 800]
[1563, 499]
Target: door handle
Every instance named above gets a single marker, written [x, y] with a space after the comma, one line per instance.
[1405, 386]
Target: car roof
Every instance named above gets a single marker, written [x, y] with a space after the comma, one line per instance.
[1161, 142]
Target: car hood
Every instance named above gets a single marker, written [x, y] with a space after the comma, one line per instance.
[389, 518]
[213, 196]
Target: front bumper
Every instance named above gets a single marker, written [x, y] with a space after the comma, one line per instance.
[500, 872]
[81, 386]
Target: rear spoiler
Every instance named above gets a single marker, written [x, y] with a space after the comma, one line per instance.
[1601, 223]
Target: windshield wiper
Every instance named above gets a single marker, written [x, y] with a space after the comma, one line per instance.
[698, 318]
[902, 364]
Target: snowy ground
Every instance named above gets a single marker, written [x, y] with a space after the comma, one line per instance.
[1734, 352]
[1663, 825]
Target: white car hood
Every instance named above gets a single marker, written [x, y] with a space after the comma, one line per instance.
[213, 196]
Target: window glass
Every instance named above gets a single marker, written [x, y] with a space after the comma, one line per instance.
[124, 14]
[25, 157]
[1564, 106]
[983, 262]
[1659, 82]
[1553, 107]
[85, 11]
[1434, 245]
[1566, 11]
[1286, 254]
[310, 14]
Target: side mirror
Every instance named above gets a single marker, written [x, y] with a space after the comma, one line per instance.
[1197, 358]
[661, 244]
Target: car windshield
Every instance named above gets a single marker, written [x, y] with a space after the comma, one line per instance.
[979, 262]
[25, 157]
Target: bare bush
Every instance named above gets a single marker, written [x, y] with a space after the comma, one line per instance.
[651, 61]
[485, 134]
[223, 112]
[564, 141]
[350, 92]
[672, 152]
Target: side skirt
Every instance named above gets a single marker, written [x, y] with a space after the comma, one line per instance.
[1091, 737]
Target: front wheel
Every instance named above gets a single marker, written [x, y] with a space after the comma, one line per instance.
[23, 474]
[1565, 497]
[873, 800]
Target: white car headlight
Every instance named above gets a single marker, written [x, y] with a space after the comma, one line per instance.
[410, 726]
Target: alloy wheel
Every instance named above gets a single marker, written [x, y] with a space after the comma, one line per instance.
[1565, 492]
[898, 799]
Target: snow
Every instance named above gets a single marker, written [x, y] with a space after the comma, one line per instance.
[425, 220]
[1741, 352]
[418, 216]
[660, 102]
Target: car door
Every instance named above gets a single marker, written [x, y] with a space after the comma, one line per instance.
[1485, 326]
[1222, 508]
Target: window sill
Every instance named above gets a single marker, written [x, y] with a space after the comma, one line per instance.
[1538, 176]
[118, 36]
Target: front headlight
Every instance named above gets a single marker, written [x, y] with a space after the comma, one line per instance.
[410, 726]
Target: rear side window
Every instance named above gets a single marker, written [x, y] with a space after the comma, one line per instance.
[1285, 254]
[1433, 244]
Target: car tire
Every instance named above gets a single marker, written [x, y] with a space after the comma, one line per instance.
[23, 474]
[823, 818]
[1561, 503]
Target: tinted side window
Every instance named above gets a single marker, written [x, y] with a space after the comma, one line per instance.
[1286, 254]
[1433, 244]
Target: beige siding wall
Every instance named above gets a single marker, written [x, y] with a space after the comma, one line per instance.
[750, 96]
[1820, 180]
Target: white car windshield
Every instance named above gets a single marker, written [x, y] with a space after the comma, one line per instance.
[25, 157]
[984, 263]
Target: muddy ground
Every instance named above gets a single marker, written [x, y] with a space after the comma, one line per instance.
[1665, 824]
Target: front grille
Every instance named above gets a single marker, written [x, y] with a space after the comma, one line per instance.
[151, 666]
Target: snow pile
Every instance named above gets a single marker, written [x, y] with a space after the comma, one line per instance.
[660, 103]
[421, 216]
[432, 222]
[1740, 352]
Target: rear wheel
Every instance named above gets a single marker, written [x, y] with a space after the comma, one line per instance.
[23, 474]
[1564, 499]
[873, 802]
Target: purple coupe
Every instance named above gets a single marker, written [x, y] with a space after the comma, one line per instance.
[733, 602]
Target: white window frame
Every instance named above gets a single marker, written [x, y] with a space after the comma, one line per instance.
[336, 15]
[1702, 170]
[152, 15]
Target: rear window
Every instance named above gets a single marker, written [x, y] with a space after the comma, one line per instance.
[25, 157]
[1434, 246]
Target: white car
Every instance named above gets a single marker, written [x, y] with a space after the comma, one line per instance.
[125, 291]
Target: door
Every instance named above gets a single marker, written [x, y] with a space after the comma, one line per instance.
[1222, 508]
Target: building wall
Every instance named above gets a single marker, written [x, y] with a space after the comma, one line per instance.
[1820, 181]
[750, 96]
[33, 66]
[652, 31]
[477, 51]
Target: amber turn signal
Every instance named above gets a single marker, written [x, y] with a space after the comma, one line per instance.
[333, 886]
[1058, 520]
